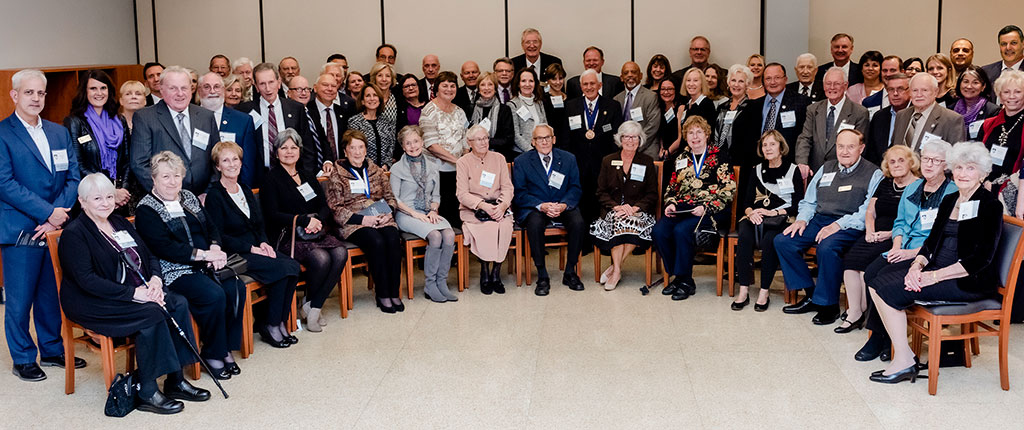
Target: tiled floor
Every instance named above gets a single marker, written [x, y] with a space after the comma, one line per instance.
[590, 359]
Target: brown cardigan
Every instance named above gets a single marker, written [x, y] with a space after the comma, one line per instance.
[344, 203]
[613, 188]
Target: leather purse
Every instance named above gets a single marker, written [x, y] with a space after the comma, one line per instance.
[235, 266]
[481, 214]
[122, 396]
[706, 234]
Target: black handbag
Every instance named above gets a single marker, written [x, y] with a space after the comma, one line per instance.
[481, 214]
[300, 232]
[235, 266]
[706, 234]
[121, 397]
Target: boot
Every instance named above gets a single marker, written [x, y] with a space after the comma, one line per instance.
[313, 320]
[496, 283]
[485, 278]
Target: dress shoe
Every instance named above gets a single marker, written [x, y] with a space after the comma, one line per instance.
[400, 307]
[868, 352]
[498, 286]
[58, 361]
[386, 309]
[802, 307]
[543, 287]
[738, 306]
[681, 293]
[160, 404]
[291, 339]
[29, 372]
[185, 391]
[486, 286]
[764, 307]
[669, 289]
[691, 286]
[886, 355]
[826, 315]
[903, 375]
[221, 373]
[854, 325]
[232, 368]
[571, 280]
[268, 339]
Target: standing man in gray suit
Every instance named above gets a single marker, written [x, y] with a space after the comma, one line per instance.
[825, 119]
[641, 105]
[1011, 48]
[173, 124]
[926, 120]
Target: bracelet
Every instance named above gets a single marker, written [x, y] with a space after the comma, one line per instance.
[934, 278]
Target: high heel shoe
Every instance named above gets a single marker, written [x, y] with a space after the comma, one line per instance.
[854, 325]
[386, 309]
[903, 375]
[764, 307]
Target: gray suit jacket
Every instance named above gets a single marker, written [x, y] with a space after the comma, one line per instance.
[154, 131]
[647, 101]
[942, 122]
[813, 148]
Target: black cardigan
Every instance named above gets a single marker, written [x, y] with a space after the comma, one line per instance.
[170, 242]
[281, 200]
[238, 232]
[977, 240]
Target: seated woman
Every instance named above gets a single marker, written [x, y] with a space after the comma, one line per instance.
[914, 218]
[484, 188]
[360, 199]
[177, 230]
[103, 295]
[444, 134]
[699, 186]
[293, 195]
[954, 264]
[627, 190]
[234, 210]
[773, 190]
[901, 167]
[494, 117]
[1003, 134]
[415, 183]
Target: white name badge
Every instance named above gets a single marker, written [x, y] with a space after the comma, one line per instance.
[681, 163]
[487, 179]
[357, 186]
[968, 210]
[617, 163]
[637, 172]
[486, 124]
[637, 114]
[307, 191]
[124, 240]
[606, 128]
[845, 188]
[555, 180]
[575, 122]
[873, 110]
[200, 139]
[785, 187]
[60, 160]
[84, 139]
[730, 116]
[257, 118]
[928, 218]
[844, 126]
[927, 137]
[670, 115]
[174, 208]
[523, 113]
[974, 128]
[227, 137]
[998, 154]
[788, 119]
[557, 102]
[826, 179]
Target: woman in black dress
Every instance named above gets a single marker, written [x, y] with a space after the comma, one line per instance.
[669, 101]
[495, 117]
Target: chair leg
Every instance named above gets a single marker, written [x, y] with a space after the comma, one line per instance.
[1004, 345]
[129, 359]
[293, 322]
[731, 262]
[247, 324]
[934, 350]
[719, 270]
[107, 358]
[528, 260]
[519, 259]
[460, 251]
[561, 258]
[195, 366]
[648, 265]
[966, 329]
[975, 344]
[69, 351]
[408, 268]
[597, 264]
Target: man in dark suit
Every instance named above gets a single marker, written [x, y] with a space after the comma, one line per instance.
[532, 56]
[593, 121]
[232, 125]
[897, 87]
[329, 121]
[175, 125]
[272, 114]
[1011, 50]
[504, 69]
[779, 109]
[466, 95]
[345, 102]
[38, 184]
[593, 59]
[547, 189]
[151, 73]
[700, 52]
[842, 48]
[926, 119]
[806, 84]
[431, 67]
[825, 119]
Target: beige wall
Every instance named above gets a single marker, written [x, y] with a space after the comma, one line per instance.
[667, 27]
[963, 18]
[324, 30]
[46, 33]
[475, 33]
[902, 27]
[189, 32]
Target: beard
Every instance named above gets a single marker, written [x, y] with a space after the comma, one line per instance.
[212, 103]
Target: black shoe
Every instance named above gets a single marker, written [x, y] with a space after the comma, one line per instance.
[543, 287]
[291, 339]
[498, 287]
[269, 340]
[854, 325]
[496, 284]
[681, 293]
[485, 280]
[869, 351]
[29, 372]
[669, 289]
[764, 307]
[233, 368]
[386, 309]
[160, 404]
[58, 361]
[738, 306]
[185, 391]
[885, 355]
[221, 373]
[571, 280]
[903, 375]
[802, 307]
[400, 307]
[691, 287]
[826, 315]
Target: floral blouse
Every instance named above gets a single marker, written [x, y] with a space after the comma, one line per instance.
[445, 129]
[713, 188]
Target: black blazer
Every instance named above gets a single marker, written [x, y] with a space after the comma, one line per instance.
[171, 242]
[977, 240]
[855, 74]
[878, 135]
[328, 153]
[346, 103]
[590, 152]
[239, 233]
[294, 117]
[504, 141]
[463, 100]
[747, 128]
[519, 62]
[281, 200]
[89, 151]
[817, 89]
[610, 86]
[424, 85]
[150, 101]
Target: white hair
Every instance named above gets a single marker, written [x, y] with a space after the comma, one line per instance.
[807, 56]
[475, 129]
[739, 68]
[839, 70]
[23, 74]
[323, 68]
[175, 69]
[932, 82]
[630, 127]
[242, 61]
[969, 153]
[1009, 77]
[588, 72]
[94, 183]
[529, 31]
[937, 146]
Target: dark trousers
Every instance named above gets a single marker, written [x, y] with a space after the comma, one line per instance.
[674, 240]
[279, 276]
[449, 206]
[217, 309]
[30, 287]
[536, 222]
[383, 252]
[323, 272]
[874, 321]
[159, 349]
[745, 254]
[829, 254]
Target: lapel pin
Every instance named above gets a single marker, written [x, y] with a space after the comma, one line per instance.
[224, 122]
[289, 115]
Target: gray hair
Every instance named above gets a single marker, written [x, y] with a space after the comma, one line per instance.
[807, 56]
[1008, 77]
[937, 146]
[241, 61]
[94, 183]
[932, 82]
[529, 31]
[630, 127]
[168, 159]
[740, 68]
[477, 128]
[323, 68]
[839, 70]
[286, 135]
[969, 153]
[545, 125]
[589, 72]
[23, 74]
[175, 69]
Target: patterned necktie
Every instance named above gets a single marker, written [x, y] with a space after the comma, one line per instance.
[271, 124]
[330, 132]
[186, 138]
[547, 162]
[316, 139]
[911, 130]
[769, 124]
[804, 91]
[629, 106]
[830, 122]
[505, 96]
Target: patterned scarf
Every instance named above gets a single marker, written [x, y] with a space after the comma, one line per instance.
[108, 133]
[969, 113]
[418, 169]
[492, 114]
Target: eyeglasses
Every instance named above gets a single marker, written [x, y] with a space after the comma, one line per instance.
[629, 137]
[410, 86]
[932, 160]
[543, 139]
[477, 140]
[301, 90]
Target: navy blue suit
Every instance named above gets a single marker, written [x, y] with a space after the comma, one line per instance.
[28, 194]
[240, 124]
[532, 189]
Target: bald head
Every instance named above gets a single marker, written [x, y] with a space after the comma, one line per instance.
[299, 89]
[431, 66]
[470, 73]
[631, 75]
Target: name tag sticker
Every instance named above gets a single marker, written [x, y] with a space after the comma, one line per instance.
[606, 128]
[974, 128]
[257, 118]
[227, 137]
[637, 172]
[557, 102]
[788, 119]
[616, 163]
[486, 124]
[637, 114]
[555, 180]
[487, 179]
[357, 186]
[928, 218]
[174, 208]
[826, 179]
[200, 139]
[681, 163]
[730, 116]
[928, 137]
[998, 154]
[307, 191]
[785, 187]
[124, 240]
[845, 188]
[523, 113]
[84, 139]
[670, 115]
[844, 126]
[968, 210]
[873, 110]
[60, 160]
[575, 122]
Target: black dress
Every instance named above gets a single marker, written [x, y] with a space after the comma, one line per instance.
[863, 253]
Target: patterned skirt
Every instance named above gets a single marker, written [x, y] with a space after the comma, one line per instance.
[611, 231]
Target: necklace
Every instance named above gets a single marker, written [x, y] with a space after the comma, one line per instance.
[1004, 134]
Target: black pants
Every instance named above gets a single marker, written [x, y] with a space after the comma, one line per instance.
[279, 276]
[874, 322]
[383, 252]
[449, 208]
[159, 348]
[745, 254]
[536, 222]
[323, 272]
[217, 309]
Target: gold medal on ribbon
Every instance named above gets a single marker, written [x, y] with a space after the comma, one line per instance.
[590, 134]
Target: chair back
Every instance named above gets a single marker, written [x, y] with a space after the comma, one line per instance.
[1009, 253]
[52, 240]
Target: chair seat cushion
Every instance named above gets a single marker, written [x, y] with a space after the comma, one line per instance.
[970, 308]
[406, 236]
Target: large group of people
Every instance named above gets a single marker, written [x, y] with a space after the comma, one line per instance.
[896, 172]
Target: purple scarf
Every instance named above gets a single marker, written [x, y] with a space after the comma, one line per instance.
[108, 133]
[969, 114]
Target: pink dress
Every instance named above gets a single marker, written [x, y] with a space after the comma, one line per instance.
[488, 240]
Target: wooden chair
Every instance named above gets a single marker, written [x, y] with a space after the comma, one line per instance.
[929, 320]
[412, 243]
[346, 280]
[562, 246]
[256, 292]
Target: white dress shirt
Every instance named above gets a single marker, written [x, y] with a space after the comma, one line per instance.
[188, 127]
[39, 138]
[324, 117]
